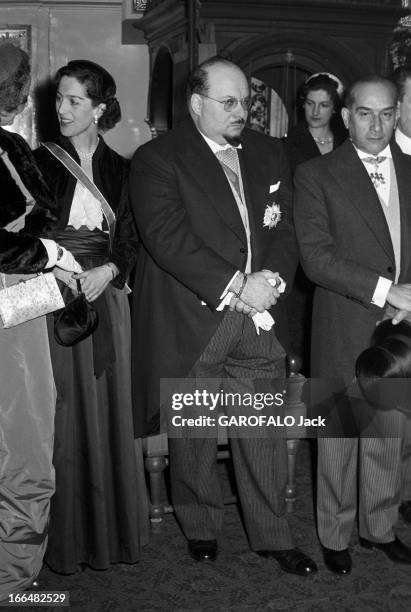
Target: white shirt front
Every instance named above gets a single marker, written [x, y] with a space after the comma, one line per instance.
[384, 169]
[85, 208]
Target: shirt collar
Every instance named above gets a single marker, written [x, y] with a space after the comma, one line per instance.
[403, 141]
[384, 153]
[214, 146]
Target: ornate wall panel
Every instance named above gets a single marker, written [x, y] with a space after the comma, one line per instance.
[346, 37]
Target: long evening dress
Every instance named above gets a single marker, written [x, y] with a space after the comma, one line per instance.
[99, 513]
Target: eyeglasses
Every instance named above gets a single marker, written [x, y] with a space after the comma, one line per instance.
[231, 102]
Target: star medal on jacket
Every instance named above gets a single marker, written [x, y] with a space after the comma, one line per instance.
[272, 213]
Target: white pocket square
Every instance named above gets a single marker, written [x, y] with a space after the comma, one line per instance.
[275, 187]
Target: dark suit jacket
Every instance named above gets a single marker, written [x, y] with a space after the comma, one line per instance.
[345, 246]
[193, 241]
[300, 146]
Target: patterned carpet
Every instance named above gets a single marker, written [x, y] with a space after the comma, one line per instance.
[167, 580]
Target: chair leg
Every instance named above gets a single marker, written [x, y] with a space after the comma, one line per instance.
[155, 467]
[291, 489]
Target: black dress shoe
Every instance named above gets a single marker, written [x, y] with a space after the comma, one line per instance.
[405, 511]
[395, 550]
[338, 561]
[293, 561]
[203, 550]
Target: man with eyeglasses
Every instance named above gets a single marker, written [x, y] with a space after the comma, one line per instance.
[212, 201]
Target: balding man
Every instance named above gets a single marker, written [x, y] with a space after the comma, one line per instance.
[353, 221]
[207, 198]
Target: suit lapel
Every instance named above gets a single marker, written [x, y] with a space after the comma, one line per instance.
[349, 172]
[208, 173]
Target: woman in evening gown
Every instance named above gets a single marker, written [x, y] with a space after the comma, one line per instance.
[99, 512]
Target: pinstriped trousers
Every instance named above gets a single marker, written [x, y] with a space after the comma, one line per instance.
[406, 465]
[363, 473]
[260, 464]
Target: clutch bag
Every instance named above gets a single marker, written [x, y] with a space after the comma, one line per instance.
[76, 321]
[29, 299]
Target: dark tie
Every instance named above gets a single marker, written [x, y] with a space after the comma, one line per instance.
[376, 176]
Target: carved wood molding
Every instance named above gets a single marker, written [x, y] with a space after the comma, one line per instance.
[167, 18]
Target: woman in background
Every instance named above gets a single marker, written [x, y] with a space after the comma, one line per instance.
[320, 132]
[99, 511]
[322, 129]
[27, 391]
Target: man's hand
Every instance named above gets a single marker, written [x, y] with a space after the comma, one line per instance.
[258, 293]
[401, 315]
[238, 305]
[399, 296]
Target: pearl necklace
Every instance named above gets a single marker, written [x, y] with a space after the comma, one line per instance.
[323, 141]
[86, 155]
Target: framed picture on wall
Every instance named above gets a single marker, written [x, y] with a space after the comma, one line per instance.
[20, 35]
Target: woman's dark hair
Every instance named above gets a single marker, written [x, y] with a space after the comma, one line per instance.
[388, 357]
[100, 87]
[324, 82]
[11, 89]
[390, 353]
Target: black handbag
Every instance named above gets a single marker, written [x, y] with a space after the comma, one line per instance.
[77, 320]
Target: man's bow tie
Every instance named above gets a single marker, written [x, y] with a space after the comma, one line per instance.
[374, 160]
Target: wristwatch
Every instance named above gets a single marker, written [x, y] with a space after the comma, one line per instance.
[60, 252]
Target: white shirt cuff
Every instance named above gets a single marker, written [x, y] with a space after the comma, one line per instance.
[51, 248]
[381, 291]
[224, 294]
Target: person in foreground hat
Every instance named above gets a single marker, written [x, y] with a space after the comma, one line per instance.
[383, 370]
[27, 392]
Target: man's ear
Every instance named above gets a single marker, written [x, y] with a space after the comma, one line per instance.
[345, 114]
[196, 104]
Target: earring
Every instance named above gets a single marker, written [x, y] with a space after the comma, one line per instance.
[96, 120]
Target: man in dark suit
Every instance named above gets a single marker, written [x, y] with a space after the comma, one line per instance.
[353, 222]
[210, 236]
